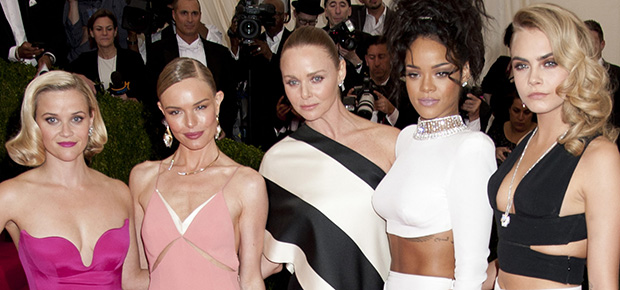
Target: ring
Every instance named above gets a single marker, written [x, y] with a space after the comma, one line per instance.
[258, 49]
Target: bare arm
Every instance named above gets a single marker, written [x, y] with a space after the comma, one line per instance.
[601, 190]
[138, 184]
[133, 276]
[252, 223]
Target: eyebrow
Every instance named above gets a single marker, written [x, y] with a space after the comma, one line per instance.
[308, 74]
[435, 66]
[194, 104]
[54, 114]
[538, 58]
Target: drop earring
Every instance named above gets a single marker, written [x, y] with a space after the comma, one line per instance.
[218, 133]
[464, 84]
[90, 132]
[167, 136]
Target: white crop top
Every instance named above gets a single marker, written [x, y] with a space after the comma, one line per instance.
[440, 184]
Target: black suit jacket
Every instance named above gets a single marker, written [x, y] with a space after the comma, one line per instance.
[358, 16]
[129, 63]
[219, 62]
[614, 79]
[42, 23]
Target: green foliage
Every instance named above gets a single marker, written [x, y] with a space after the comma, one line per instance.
[244, 154]
[14, 78]
[128, 144]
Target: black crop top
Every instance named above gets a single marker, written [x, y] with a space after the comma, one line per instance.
[537, 202]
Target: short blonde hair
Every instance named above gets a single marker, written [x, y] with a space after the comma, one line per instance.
[27, 148]
[588, 103]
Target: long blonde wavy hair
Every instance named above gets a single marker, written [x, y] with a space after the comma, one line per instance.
[588, 103]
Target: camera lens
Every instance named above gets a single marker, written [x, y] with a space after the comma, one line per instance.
[366, 105]
[249, 28]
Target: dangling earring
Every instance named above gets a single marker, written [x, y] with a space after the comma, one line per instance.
[219, 129]
[167, 136]
[90, 132]
[464, 84]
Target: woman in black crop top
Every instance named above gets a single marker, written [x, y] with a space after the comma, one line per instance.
[556, 197]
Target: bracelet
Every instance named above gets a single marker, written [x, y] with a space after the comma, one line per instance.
[129, 42]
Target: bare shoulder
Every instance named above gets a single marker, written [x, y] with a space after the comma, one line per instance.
[247, 185]
[10, 189]
[142, 175]
[249, 178]
[385, 136]
[600, 155]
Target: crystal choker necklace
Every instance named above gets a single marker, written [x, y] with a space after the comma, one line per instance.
[439, 127]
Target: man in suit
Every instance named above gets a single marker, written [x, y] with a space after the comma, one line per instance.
[188, 43]
[613, 70]
[371, 16]
[32, 32]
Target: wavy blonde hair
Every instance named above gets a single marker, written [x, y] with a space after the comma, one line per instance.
[27, 148]
[588, 103]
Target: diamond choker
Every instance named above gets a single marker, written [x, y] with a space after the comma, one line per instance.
[439, 127]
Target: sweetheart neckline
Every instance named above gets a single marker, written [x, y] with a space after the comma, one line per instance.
[125, 224]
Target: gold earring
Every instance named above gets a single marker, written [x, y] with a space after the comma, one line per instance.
[168, 137]
[218, 133]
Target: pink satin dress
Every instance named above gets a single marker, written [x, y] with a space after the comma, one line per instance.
[55, 263]
[197, 253]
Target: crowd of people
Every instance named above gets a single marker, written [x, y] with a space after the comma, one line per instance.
[384, 168]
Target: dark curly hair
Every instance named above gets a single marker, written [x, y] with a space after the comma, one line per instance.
[457, 24]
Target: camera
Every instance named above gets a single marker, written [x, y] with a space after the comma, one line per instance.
[344, 34]
[365, 104]
[249, 17]
[145, 16]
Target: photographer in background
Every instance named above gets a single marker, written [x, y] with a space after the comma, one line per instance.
[258, 68]
[372, 98]
[350, 40]
[121, 71]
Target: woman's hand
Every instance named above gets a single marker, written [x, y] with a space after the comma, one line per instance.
[501, 153]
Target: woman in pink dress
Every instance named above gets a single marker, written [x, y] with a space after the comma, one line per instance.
[202, 215]
[73, 226]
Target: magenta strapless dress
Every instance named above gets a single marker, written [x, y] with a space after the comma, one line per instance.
[55, 263]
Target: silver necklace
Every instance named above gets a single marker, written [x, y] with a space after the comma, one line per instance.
[505, 220]
[439, 127]
[184, 173]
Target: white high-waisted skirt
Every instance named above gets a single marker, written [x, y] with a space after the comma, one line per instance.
[400, 281]
[571, 288]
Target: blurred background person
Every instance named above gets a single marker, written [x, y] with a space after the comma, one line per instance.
[506, 136]
[75, 18]
[119, 70]
[306, 12]
[32, 32]
[612, 70]
[371, 17]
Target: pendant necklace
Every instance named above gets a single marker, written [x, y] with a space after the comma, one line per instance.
[505, 220]
[182, 173]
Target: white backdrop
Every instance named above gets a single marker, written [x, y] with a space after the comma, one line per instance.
[606, 12]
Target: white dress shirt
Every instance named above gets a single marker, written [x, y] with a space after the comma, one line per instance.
[14, 17]
[373, 27]
[193, 50]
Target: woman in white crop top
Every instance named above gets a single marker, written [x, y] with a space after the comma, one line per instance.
[434, 196]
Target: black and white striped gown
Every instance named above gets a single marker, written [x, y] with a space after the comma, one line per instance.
[321, 222]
